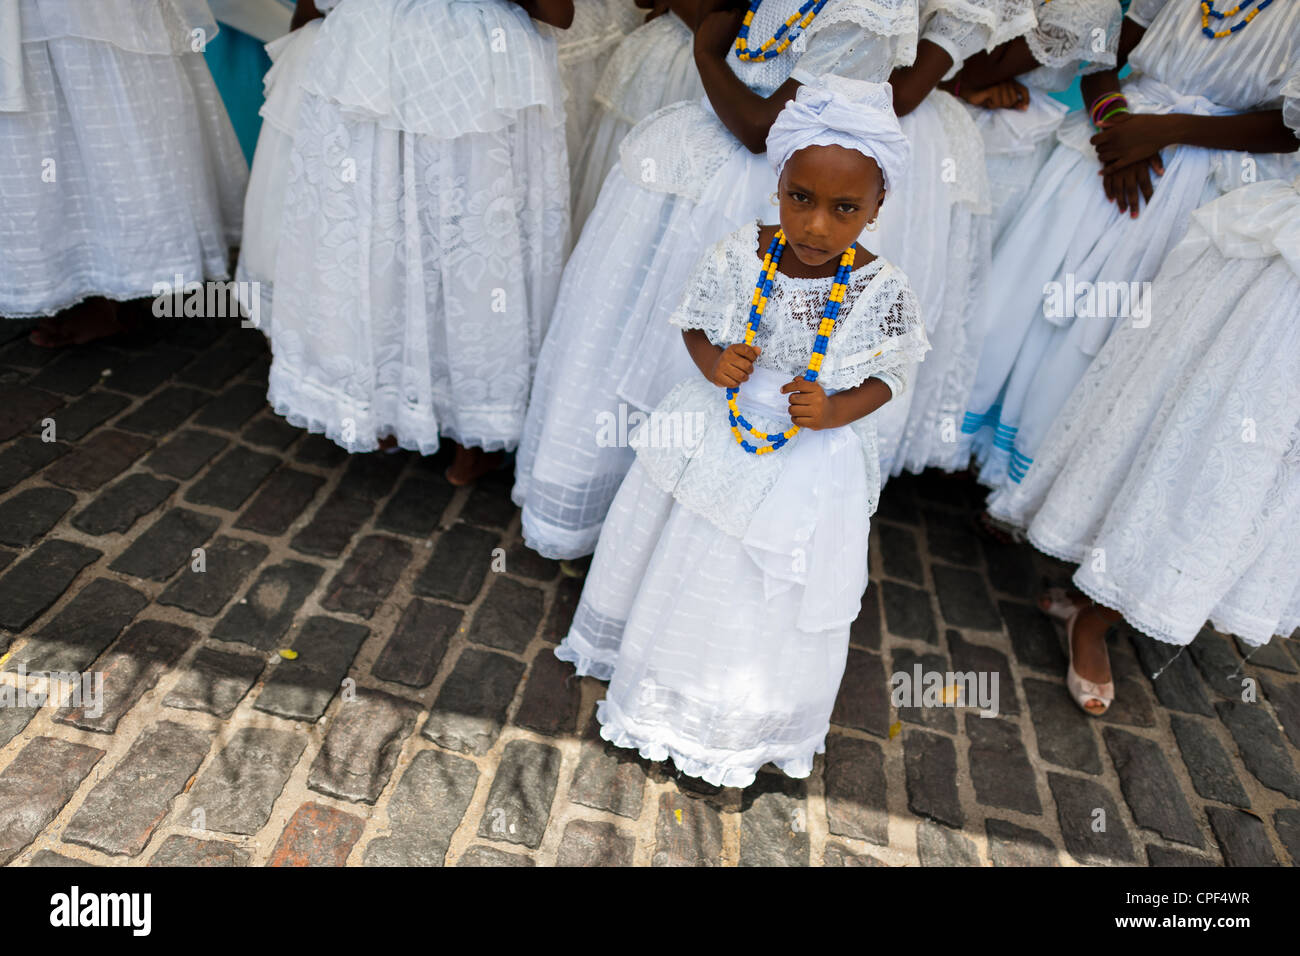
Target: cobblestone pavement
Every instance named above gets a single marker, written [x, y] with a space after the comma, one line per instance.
[424, 719]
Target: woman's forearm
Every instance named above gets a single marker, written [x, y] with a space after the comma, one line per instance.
[748, 115]
[913, 83]
[1005, 62]
[1259, 132]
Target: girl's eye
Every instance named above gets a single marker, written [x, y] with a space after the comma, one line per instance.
[797, 197]
[847, 209]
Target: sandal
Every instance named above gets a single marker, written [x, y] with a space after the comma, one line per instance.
[1060, 605]
[1085, 690]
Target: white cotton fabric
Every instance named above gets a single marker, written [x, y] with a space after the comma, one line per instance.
[682, 180]
[1173, 471]
[964, 27]
[415, 293]
[1067, 233]
[269, 178]
[266, 20]
[653, 67]
[719, 601]
[835, 111]
[118, 164]
[584, 51]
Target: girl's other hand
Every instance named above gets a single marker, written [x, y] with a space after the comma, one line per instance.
[1125, 185]
[717, 31]
[734, 365]
[810, 406]
[1128, 138]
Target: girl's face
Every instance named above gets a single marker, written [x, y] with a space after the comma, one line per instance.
[828, 194]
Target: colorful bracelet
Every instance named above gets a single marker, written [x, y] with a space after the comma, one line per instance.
[1115, 112]
[1105, 101]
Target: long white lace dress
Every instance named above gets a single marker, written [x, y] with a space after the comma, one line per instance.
[937, 230]
[1173, 471]
[427, 201]
[719, 601]
[1067, 237]
[119, 169]
[683, 180]
[1072, 37]
[584, 51]
[652, 68]
[267, 182]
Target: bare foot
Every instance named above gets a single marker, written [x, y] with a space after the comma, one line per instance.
[1061, 602]
[1091, 660]
[471, 464]
[388, 443]
[86, 322]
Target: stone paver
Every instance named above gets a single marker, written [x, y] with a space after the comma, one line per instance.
[175, 536]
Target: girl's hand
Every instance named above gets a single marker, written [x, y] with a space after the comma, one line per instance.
[1129, 138]
[1007, 95]
[734, 365]
[810, 406]
[716, 33]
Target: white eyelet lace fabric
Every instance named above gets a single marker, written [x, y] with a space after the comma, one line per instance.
[879, 335]
[435, 67]
[1173, 471]
[111, 100]
[964, 27]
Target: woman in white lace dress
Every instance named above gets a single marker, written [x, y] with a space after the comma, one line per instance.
[939, 230]
[720, 598]
[687, 173]
[119, 169]
[652, 68]
[1199, 115]
[427, 207]
[1172, 474]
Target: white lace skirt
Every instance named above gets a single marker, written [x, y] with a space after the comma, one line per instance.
[940, 238]
[123, 172]
[653, 67]
[700, 667]
[1173, 471]
[416, 292]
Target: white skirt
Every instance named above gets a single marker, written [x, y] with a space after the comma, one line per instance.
[653, 67]
[584, 50]
[1173, 471]
[425, 260]
[122, 172]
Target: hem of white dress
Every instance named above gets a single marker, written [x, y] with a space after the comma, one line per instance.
[720, 768]
[121, 293]
[553, 542]
[575, 650]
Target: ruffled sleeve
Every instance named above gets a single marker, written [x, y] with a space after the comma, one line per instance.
[1142, 12]
[1072, 33]
[858, 39]
[964, 27]
[1291, 103]
[884, 337]
[712, 299]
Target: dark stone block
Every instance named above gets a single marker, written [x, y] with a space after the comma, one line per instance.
[179, 850]
[234, 406]
[368, 576]
[424, 811]
[856, 787]
[282, 499]
[232, 479]
[25, 457]
[1150, 788]
[80, 632]
[1090, 822]
[236, 791]
[552, 696]
[939, 846]
[1261, 747]
[908, 612]
[608, 778]
[28, 515]
[688, 832]
[586, 843]
[419, 642]
[36, 785]
[1064, 733]
[903, 682]
[461, 558]
[970, 657]
[79, 419]
[1172, 675]
[167, 545]
[508, 617]
[963, 599]
[22, 408]
[863, 701]
[185, 454]
[98, 460]
[164, 411]
[519, 803]
[1000, 767]
[774, 822]
[1243, 840]
[302, 688]
[1033, 638]
[362, 746]
[417, 506]
[866, 629]
[118, 508]
[39, 579]
[263, 616]
[471, 706]
[1207, 763]
[271, 433]
[1011, 845]
[930, 762]
[898, 552]
[215, 682]
[227, 563]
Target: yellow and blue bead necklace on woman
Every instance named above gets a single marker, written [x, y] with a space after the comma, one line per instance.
[794, 25]
[761, 291]
[1207, 11]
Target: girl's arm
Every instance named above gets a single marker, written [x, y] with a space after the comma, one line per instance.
[748, 115]
[1005, 62]
[558, 13]
[1145, 134]
[725, 368]
[304, 12]
[913, 83]
[811, 407]
[1094, 85]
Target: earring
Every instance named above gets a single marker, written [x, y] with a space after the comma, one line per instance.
[871, 226]
[774, 201]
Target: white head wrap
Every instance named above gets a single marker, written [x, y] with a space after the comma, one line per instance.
[837, 111]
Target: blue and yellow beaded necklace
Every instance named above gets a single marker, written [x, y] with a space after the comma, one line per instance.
[761, 290]
[784, 35]
[1207, 11]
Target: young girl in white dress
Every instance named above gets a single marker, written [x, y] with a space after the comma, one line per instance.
[1199, 115]
[1172, 474]
[687, 173]
[119, 168]
[427, 207]
[652, 68]
[1072, 36]
[735, 555]
[939, 231]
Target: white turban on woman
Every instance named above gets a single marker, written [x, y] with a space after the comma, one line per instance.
[837, 111]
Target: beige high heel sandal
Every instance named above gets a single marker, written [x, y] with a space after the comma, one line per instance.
[1085, 690]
